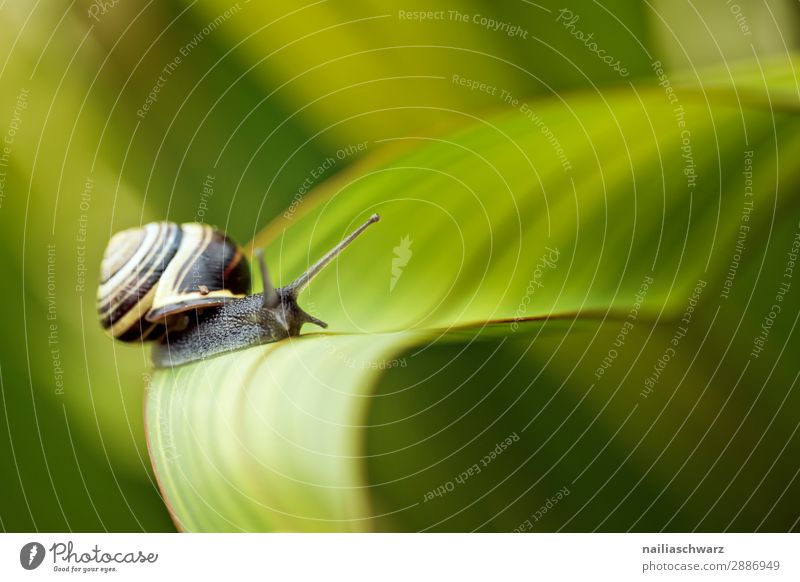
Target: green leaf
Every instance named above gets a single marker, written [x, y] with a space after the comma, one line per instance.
[771, 82]
[629, 247]
[373, 70]
[483, 207]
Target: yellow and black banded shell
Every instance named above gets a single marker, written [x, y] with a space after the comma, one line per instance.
[162, 269]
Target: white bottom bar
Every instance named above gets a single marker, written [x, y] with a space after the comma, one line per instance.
[356, 557]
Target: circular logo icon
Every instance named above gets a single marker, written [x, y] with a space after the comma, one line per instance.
[31, 555]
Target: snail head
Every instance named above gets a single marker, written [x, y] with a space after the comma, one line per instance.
[279, 310]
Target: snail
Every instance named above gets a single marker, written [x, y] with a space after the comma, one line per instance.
[187, 288]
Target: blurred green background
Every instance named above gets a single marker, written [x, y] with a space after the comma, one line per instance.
[118, 114]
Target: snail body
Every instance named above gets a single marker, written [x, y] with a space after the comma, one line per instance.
[187, 287]
[234, 325]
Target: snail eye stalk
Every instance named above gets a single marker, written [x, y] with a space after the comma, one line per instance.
[271, 297]
[303, 280]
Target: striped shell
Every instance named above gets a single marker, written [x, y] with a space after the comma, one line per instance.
[152, 274]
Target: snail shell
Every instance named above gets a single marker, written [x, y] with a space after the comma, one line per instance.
[153, 274]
